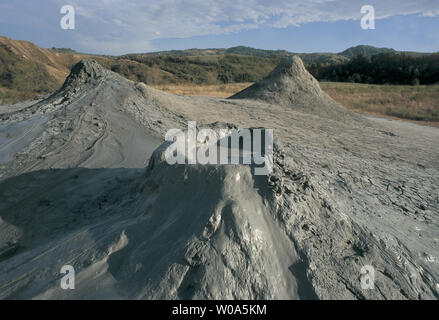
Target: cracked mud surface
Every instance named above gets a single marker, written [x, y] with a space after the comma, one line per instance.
[346, 191]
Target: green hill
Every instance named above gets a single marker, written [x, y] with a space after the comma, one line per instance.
[248, 51]
[368, 51]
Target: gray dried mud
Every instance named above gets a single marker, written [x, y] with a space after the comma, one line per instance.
[83, 182]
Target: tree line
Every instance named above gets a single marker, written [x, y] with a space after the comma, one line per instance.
[384, 68]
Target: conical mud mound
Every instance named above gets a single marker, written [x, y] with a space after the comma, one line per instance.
[290, 84]
[96, 119]
[85, 71]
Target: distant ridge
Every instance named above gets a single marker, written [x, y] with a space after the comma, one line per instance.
[254, 52]
[258, 52]
[369, 51]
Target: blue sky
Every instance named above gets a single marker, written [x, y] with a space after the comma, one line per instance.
[124, 26]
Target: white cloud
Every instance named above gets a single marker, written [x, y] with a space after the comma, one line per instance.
[431, 13]
[131, 25]
[112, 46]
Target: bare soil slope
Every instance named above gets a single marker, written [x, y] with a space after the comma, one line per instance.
[57, 64]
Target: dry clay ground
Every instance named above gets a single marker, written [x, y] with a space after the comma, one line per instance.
[346, 191]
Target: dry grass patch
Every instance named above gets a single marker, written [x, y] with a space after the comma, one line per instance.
[220, 91]
[420, 103]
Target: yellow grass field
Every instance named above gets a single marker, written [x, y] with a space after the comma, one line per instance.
[220, 91]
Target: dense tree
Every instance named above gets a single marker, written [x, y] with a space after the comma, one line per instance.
[385, 68]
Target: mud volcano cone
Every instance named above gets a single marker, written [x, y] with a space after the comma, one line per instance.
[290, 84]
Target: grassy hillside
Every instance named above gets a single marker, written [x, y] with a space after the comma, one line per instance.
[248, 51]
[27, 70]
[323, 59]
[184, 53]
[56, 64]
[368, 51]
[208, 69]
[21, 78]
